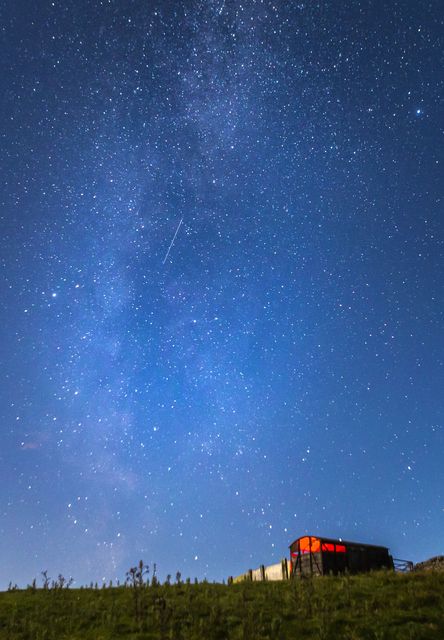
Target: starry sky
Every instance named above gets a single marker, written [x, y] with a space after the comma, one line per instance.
[221, 297]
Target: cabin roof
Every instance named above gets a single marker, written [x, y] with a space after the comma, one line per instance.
[347, 543]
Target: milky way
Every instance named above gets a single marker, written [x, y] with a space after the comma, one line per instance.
[278, 368]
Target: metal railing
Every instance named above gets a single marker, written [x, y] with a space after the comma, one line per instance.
[402, 565]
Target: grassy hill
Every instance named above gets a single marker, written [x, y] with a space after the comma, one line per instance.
[379, 606]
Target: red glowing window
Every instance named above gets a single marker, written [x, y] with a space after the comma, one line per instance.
[310, 544]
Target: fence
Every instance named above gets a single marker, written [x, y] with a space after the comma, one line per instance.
[402, 565]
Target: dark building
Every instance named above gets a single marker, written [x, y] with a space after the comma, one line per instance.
[312, 555]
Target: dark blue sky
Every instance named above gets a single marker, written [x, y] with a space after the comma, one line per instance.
[278, 369]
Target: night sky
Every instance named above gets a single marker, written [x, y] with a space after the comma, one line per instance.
[221, 282]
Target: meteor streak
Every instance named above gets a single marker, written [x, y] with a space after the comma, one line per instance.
[172, 241]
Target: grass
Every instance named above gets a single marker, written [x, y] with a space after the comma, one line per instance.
[378, 606]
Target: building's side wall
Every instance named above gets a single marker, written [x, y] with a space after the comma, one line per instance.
[354, 558]
[361, 559]
[379, 559]
[334, 562]
[309, 565]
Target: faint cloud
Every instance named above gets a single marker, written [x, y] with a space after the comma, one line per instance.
[30, 445]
